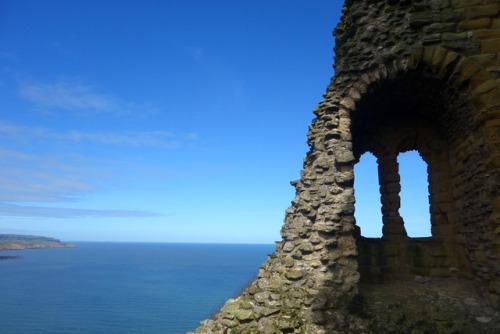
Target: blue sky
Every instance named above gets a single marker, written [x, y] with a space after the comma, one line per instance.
[163, 121]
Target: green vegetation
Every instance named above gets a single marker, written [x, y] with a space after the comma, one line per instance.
[16, 241]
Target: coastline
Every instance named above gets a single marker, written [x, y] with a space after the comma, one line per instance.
[20, 242]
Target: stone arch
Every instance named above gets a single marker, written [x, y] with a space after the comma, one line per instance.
[435, 61]
[460, 102]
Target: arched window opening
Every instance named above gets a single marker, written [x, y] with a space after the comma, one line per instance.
[414, 194]
[367, 192]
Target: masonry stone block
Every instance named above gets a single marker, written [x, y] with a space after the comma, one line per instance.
[491, 10]
[464, 3]
[477, 23]
[490, 45]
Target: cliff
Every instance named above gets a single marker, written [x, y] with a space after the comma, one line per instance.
[16, 241]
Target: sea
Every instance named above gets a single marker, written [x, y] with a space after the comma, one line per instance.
[122, 287]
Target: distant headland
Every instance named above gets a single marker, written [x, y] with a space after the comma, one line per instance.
[18, 241]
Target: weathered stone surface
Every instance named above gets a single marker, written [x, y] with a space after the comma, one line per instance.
[409, 75]
[244, 315]
[294, 274]
[490, 10]
[483, 22]
[490, 46]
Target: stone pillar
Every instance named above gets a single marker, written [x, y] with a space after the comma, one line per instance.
[393, 226]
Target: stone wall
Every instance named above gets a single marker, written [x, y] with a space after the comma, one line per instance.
[409, 75]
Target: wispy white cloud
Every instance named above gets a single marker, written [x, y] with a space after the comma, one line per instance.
[80, 98]
[31, 211]
[192, 136]
[28, 177]
[36, 170]
[158, 139]
[42, 186]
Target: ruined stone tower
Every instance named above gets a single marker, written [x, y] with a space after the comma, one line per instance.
[419, 75]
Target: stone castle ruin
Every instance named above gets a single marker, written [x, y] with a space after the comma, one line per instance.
[420, 75]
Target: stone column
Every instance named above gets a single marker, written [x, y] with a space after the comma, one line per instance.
[388, 169]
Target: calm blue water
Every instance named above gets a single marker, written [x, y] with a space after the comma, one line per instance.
[121, 287]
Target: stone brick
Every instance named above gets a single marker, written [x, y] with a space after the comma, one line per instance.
[421, 19]
[454, 36]
[467, 72]
[230, 323]
[486, 33]
[487, 10]
[490, 46]
[457, 68]
[483, 22]
[294, 274]
[348, 103]
[431, 39]
[479, 80]
[448, 62]
[452, 15]
[464, 3]
[440, 27]
[438, 57]
[484, 85]
[484, 60]
[488, 99]
[244, 315]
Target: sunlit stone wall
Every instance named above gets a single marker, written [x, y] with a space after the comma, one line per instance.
[409, 75]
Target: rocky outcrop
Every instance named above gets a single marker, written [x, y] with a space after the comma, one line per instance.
[16, 242]
[409, 75]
